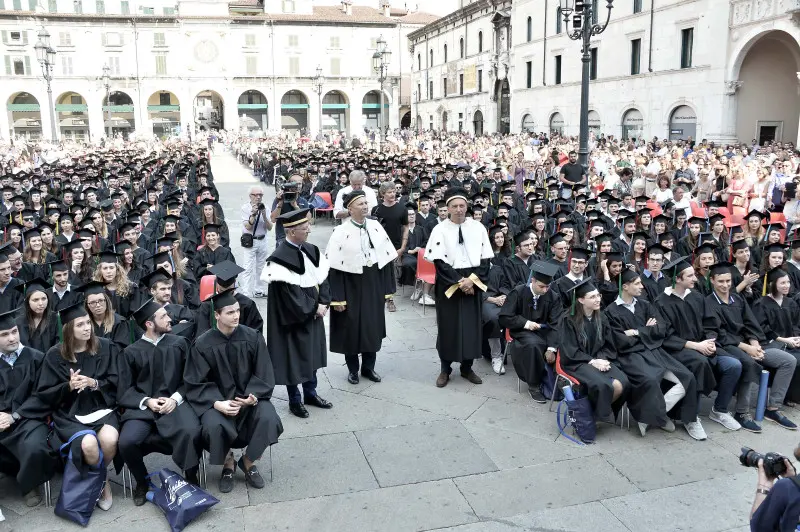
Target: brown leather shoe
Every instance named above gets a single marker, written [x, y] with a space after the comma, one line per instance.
[390, 306]
[472, 377]
[441, 382]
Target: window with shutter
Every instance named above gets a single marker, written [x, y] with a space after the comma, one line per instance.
[293, 41]
[161, 64]
[335, 66]
[125, 7]
[4, 33]
[27, 66]
[52, 6]
[169, 10]
[250, 39]
[8, 65]
[159, 39]
[251, 63]
[78, 6]
[100, 6]
[19, 67]
[294, 66]
[335, 43]
[18, 5]
[32, 5]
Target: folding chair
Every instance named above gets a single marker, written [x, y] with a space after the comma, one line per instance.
[426, 273]
[48, 496]
[561, 375]
[207, 284]
[325, 196]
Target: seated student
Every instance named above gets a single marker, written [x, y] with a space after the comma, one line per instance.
[683, 308]
[417, 240]
[793, 266]
[771, 258]
[226, 273]
[492, 301]
[609, 277]
[229, 382]
[10, 299]
[121, 292]
[588, 354]
[638, 331]
[211, 253]
[705, 257]
[517, 268]
[184, 291]
[160, 284]
[106, 322]
[78, 382]
[24, 449]
[62, 294]
[578, 261]
[531, 313]
[37, 323]
[730, 321]
[779, 317]
[653, 279]
[559, 249]
[152, 392]
[743, 277]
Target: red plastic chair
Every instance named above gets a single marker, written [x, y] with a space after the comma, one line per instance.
[561, 375]
[325, 196]
[698, 212]
[694, 205]
[208, 285]
[724, 211]
[738, 211]
[775, 217]
[652, 205]
[426, 273]
[656, 211]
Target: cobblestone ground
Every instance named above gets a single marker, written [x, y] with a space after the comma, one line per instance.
[404, 455]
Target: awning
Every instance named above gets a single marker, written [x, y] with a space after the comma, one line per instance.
[117, 122]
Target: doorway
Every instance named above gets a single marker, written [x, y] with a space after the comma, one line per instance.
[769, 132]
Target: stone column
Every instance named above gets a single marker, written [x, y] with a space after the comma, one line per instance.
[729, 113]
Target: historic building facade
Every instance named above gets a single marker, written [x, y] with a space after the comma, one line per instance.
[247, 64]
[718, 69]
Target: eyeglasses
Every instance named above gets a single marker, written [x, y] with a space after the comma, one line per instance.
[95, 303]
[257, 195]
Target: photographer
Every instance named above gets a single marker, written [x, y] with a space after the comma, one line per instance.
[257, 223]
[777, 503]
[287, 199]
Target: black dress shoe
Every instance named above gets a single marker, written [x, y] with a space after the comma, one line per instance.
[226, 480]
[140, 494]
[316, 400]
[191, 476]
[252, 476]
[371, 375]
[298, 409]
[352, 378]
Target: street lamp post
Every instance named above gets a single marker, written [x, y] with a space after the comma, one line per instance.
[46, 56]
[414, 124]
[318, 82]
[380, 64]
[581, 13]
[107, 85]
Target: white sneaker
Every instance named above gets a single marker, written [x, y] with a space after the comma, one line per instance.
[695, 430]
[416, 294]
[724, 419]
[669, 427]
[497, 365]
[427, 300]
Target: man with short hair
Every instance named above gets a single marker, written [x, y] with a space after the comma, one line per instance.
[159, 283]
[226, 273]
[229, 381]
[256, 222]
[357, 181]
[24, 449]
[572, 175]
[152, 393]
[10, 299]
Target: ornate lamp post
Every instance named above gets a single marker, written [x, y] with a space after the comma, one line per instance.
[583, 28]
[107, 85]
[46, 56]
[380, 64]
[317, 83]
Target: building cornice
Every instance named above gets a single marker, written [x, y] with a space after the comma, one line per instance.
[452, 18]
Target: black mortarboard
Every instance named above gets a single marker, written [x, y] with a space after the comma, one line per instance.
[108, 256]
[58, 266]
[34, 285]
[580, 253]
[615, 256]
[522, 237]
[658, 248]
[226, 272]
[754, 212]
[154, 277]
[719, 268]
[8, 320]
[775, 273]
[582, 288]
[213, 228]
[696, 220]
[145, 312]
[223, 299]
[543, 271]
[92, 288]
[628, 275]
[71, 313]
[774, 248]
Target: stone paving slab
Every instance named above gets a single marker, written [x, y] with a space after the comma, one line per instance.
[424, 506]
[540, 487]
[578, 518]
[418, 453]
[447, 402]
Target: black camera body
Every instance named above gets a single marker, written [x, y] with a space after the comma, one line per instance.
[774, 466]
[290, 191]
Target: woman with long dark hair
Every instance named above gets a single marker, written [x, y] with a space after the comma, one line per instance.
[587, 352]
[128, 262]
[37, 321]
[210, 215]
[608, 279]
[80, 268]
[107, 323]
[686, 245]
[79, 379]
[211, 252]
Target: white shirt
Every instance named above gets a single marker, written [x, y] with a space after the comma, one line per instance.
[671, 292]
[338, 206]
[177, 397]
[261, 227]
[630, 306]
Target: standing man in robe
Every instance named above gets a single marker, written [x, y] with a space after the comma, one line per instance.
[459, 247]
[297, 273]
[229, 381]
[359, 252]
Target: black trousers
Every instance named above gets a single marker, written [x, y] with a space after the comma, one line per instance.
[466, 366]
[367, 362]
[132, 446]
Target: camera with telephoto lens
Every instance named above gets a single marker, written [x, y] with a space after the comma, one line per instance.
[290, 191]
[774, 466]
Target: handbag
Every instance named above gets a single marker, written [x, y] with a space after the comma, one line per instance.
[80, 493]
[577, 414]
[180, 501]
[549, 383]
[247, 238]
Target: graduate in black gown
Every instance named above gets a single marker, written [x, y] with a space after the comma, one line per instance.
[38, 327]
[10, 299]
[638, 331]
[152, 392]
[460, 250]
[588, 354]
[532, 313]
[226, 273]
[578, 262]
[159, 284]
[417, 240]
[360, 253]
[229, 382]
[299, 298]
[559, 251]
[211, 253]
[107, 323]
[62, 294]
[78, 382]
[24, 449]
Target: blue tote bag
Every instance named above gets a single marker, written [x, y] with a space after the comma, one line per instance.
[79, 494]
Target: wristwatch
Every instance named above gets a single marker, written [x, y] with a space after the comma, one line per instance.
[16, 417]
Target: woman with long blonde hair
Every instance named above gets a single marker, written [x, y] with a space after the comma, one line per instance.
[120, 289]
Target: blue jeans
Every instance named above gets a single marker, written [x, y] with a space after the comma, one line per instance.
[309, 390]
[728, 370]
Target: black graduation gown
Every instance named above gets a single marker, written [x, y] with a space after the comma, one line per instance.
[515, 272]
[529, 346]
[418, 238]
[40, 339]
[221, 368]
[124, 305]
[459, 317]
[249, 315]
[70, 298]
[644, 362]
[563, 267]
[156, 370]
[24, 450]
[206, 256]
[730, 324]
[53, 389]
[794, 276]
[684, 319]
[185, 293]
[577, 349]
[781, 321]
[561, 288]
[360, 328]
[11, 299]
[120, 332]
[654, 288]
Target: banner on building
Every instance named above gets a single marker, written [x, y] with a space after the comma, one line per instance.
[470, 77]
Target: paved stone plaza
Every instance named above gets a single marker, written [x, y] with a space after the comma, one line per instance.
[403, 455]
